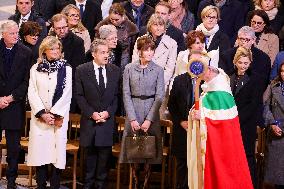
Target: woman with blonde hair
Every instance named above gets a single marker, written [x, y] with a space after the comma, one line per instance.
[75, 25]
[165, 53]
[49, 94]
[248, 88]
[215, 39]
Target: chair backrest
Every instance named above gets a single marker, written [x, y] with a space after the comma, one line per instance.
[120, 122]
[167, 130]
[73, 125]
[27, 123]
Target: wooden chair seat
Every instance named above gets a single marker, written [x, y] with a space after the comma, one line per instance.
[116, 149]
[165, 151]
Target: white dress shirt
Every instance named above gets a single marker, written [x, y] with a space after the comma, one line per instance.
[24, 18]
[106, 4]
[80, 3]
[96, 68]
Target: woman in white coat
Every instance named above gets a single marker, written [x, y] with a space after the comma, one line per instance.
[49, 93]
[165, 54]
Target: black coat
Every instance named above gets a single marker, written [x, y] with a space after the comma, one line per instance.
[13, 116]
[177, 35]
[249, 104]
[74, 53]
[35, 17]
[278, 22]
[220, 40]
[146, 13]
[92, 14]
[260, 63]
[46, 8]
[91, 100]
[180, 102]
[232, 17]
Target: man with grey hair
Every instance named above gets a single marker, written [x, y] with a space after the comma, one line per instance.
[15, 63]
[97, 85]
[261, 61]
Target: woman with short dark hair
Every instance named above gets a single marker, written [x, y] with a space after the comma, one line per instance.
[266, 40]
[143, 93]
[195, 50]
[29, 34]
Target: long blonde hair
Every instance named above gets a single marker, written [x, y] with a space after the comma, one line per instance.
[66, 10]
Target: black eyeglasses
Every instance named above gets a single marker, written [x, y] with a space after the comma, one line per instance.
[211, 17]
[256, 23]
[244, 39]
[61, 28]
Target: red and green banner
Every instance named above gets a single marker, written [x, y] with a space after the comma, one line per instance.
[224, 164]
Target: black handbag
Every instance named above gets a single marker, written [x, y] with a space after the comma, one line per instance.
[140, 146]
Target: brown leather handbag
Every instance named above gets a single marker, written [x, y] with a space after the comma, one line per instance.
[140, 146]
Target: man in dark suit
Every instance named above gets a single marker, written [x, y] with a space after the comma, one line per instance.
[96, 91]
[25, 13]
[261, 63]
[138, 12]
[73, 48]
[180, 102]
[15, 63]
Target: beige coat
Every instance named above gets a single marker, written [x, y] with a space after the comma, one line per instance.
[47, 144]
[165, 56]
[269, 43]
[85, 36]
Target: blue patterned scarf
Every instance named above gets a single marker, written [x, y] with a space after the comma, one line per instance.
[50, 67]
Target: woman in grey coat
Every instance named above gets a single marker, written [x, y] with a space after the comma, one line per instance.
[274, 118]
[143, 93]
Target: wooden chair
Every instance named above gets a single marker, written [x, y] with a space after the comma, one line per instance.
[260, 154]
[166, 127]
[24, 145]
[120, 121]
[72, 146]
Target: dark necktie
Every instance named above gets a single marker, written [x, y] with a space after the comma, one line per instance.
[101, 80]
[81, 10]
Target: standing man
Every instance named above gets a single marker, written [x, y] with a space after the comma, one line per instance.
[73, 49]
[163, 9]
[138, 12]
[15, 63]
[179, 105]
[96, 91]
[25, 13]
